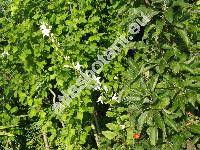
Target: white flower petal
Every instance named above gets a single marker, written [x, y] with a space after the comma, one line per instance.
[105, 88]
[114, 97]
[78, 66]
[100, 100]
[122, 126]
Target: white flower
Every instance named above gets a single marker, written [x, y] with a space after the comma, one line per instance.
[97, 87]
[98, 83]
[67, 57]
[44, 29]
[100, 100]
[5, 54]
[46, 32]
[105, 88]
[78, 66]
[115, 98]
[122, 126]
[115, 77]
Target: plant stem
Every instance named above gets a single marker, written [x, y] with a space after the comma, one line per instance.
[45, 140]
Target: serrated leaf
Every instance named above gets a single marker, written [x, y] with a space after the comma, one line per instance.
[184, 36]
[162, 103]
[170, 123]
[153, 135]
[158, 120]
[142, 119]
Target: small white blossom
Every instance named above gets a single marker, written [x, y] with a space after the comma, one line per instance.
[100, 100]
[122, 126]
[98, 86]
[105, 88]
[67, 57]
[45, 30]
[114, 97]
[78, 66]
[115, 77]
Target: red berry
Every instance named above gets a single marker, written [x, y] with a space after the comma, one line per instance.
[136, 136]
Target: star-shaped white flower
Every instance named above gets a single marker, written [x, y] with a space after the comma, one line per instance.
[115, 97]
[78, 66]
[46, 31]
[100, 100]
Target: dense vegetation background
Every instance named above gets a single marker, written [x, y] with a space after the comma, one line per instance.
[148, 95]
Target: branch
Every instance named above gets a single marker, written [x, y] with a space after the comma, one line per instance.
[96, 130]
[45, 140]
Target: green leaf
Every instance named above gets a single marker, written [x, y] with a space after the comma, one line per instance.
[170, 123]
[177, 140]
[8, 106]
[159, 28]
[32, 113]
[175, 67]
[164, 102]
[153, 135]
[169, 15]
[195, 128]
[6, 133]
[80, 115]
[158, 120]
[183, 35]
[109, 135]
[110, 114]
[113, 127]
[142, 119]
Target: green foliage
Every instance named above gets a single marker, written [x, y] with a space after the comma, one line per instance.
[155, 88]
